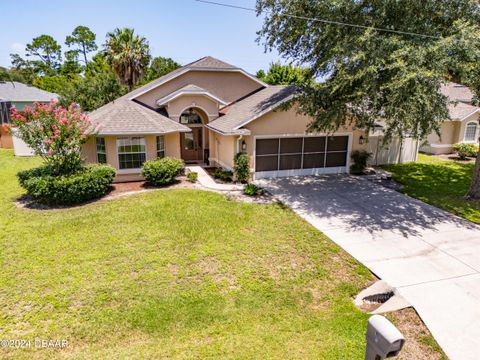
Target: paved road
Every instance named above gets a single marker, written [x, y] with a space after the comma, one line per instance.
[430, 256]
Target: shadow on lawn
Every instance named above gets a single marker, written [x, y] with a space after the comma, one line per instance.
[361, 204]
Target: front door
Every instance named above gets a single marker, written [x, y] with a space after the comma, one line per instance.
[191, 143]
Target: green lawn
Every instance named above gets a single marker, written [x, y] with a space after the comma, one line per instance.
[174, 274]
[441, 183]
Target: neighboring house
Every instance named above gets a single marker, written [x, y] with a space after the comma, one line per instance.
[463, 126]
[18, 95]
[206, 112]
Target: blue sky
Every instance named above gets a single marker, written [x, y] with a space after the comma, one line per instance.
[182, 29]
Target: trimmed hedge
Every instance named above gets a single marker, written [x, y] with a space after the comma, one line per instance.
[162, 171]
[92, 182]
[465, 150]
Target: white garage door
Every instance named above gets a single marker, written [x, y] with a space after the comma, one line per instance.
[306, 155]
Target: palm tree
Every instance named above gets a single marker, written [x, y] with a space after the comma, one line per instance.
[128, 55]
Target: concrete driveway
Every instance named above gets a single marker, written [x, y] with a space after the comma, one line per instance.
[430, 256]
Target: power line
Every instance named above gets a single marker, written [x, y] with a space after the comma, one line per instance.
[331, 22]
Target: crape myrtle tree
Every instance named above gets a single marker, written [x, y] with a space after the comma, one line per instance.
[372, 75]
[55, 133]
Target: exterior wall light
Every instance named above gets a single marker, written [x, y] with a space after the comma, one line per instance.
[244, 145]
[361, 140]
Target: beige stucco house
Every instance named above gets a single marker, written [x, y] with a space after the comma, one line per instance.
[205, 113]
[463, 126]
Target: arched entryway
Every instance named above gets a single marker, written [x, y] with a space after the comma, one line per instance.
[192, 144]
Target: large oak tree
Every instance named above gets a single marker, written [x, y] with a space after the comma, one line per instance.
[372, 75]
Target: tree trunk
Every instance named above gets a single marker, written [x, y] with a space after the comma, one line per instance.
[474, 191]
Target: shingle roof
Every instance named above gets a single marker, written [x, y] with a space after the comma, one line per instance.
[189, 89]
[15, 91]
[126, 117]
[460, 98]
[460, 110]
[205, 63]
[457, 92]
[250, 108]
[210, 62]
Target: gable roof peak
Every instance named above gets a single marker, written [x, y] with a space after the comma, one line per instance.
[210, 62]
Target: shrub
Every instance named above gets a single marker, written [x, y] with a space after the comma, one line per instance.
[465, 150]
[162, 171]
[224, 175]
[252, 190]
[360, 159]
[192, 176]
[90, 182]
[242, 167]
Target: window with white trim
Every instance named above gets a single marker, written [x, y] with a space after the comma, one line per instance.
[101, 150]
[160, 146]
[131, 152]
[471, 132]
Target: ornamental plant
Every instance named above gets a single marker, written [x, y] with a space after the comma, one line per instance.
[55, 133]
[162, 171]
[241, 167]
[465, 150]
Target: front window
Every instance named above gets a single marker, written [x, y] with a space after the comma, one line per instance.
[471, 131]
[5, 112]
[101, 150]
[160, 146]
[190, 117]
[131, 152]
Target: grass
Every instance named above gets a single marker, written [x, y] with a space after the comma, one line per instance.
[441, 183]
[173, 274]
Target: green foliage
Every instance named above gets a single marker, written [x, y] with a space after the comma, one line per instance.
[242, 167]
[360, 159]
[92, 92]
[160, 66]
[59, 84]
[88, 183]
[128, 55]
[47, 53]
[162, 171]
[70, 66]
[224, 175]
[252, 190]
[192, 176]
[370, 74]
[84, 41]
[465, 150]
[279, 74]
[12, 75]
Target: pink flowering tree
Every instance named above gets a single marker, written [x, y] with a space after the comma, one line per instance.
[55, 133]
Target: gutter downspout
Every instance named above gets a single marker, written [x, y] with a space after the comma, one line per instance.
[238, 143]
